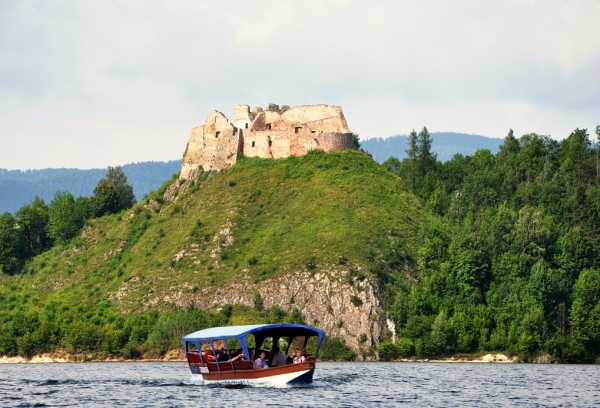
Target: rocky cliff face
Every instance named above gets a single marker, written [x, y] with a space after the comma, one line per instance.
[329, 298]
[339, 299]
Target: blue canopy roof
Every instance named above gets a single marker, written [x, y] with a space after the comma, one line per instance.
[238, 332]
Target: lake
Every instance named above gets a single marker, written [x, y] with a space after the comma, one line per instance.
[336, 384]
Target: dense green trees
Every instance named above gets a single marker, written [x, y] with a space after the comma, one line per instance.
[509, 259]
[35, 227]
[62, 222]
[112, 194]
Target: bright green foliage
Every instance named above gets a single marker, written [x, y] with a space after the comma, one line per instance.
[112, 194]
[335, 349]
[32, 221]
[387, 351]
[509, 257]
[107, 291]
[9, 243]
[62, 222]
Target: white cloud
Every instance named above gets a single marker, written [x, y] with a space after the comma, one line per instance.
[91, 84]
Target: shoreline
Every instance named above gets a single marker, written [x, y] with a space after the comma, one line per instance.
[179, 357]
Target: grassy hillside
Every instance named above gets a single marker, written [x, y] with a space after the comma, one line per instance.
[125, 279]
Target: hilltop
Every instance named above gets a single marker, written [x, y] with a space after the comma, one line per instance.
[297, 236]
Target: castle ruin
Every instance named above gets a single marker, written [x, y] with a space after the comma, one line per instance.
[272, 133]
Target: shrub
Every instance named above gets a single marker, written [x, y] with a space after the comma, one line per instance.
[405, 347]
[387, 351]
[335, 348]
[356, 301]
[258, 302]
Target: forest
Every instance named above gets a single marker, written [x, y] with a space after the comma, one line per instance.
[509, 259]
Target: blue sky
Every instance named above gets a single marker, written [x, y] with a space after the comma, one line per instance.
[90, 84]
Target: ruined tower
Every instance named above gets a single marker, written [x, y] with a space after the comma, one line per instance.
[272, 133]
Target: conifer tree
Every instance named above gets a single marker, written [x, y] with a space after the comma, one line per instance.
[426, 158]
[413, 154]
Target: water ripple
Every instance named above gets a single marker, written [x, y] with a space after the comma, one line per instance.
[336, 384]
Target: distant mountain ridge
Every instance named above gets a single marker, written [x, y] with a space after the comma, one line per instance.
[19, 187]
[445, 144]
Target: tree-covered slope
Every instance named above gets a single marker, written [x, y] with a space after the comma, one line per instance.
[510, 259]
[320, 214]
[20, 187]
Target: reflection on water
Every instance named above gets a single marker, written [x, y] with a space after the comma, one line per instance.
[336, 384]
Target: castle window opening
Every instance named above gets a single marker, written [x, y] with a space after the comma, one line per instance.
[246, 126]
[252, 144]
[297, 129]
[270, 143]
[268, 126]
[217, 134]
[216, 119]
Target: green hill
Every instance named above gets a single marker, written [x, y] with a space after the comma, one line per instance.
[293, 238]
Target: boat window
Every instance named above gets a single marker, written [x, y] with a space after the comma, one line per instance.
[267, 344]
[191, 346]
[250, 341]
[284, 344]
[311, 345]
[205, 346]
[233, 344]
[298, 343]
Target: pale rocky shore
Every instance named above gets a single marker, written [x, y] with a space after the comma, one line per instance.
[178, 356]
[63, 357]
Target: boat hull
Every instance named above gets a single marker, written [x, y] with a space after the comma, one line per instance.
[292, 374]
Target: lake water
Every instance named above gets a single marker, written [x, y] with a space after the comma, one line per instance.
[336, 384]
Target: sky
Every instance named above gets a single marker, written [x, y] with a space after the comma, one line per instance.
[90, 84]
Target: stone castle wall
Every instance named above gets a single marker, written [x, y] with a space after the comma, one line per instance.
[272, 133]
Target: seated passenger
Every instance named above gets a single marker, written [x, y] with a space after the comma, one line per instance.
[260, 361]
[239, 356]
[278, 358]
[222, 355]
[299, 358]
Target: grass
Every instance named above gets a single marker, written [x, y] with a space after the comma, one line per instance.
[262, 218]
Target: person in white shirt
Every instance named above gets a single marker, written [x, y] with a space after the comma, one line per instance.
[299, 358]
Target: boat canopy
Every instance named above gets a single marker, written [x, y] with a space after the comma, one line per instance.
[260, 332]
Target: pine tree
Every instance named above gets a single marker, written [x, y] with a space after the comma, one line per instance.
[413, 154]
[426, 157]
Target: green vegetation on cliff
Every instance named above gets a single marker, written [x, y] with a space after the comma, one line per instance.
[481, 253]
[129, 283]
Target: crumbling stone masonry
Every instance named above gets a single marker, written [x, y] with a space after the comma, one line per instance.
[273, 133]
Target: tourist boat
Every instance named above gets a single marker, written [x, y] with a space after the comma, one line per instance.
[215, 353]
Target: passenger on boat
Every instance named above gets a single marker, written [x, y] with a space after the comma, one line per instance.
[278, 358]
[222, 355]
[239, 356]
[299, 358]
[260, 361]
